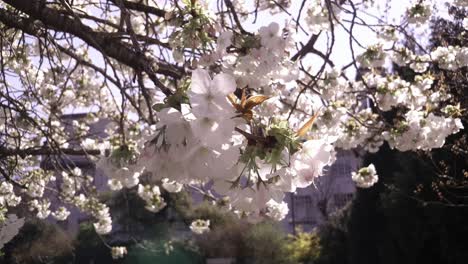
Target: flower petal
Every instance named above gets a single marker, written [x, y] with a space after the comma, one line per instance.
[223, 84]
[200, 81]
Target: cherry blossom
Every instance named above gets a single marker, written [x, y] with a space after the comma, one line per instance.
[197, 97]
[200, 226]
[365, 177]
[118, 252]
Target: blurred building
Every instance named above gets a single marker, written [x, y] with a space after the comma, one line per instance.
[87, 166]
[309, 207]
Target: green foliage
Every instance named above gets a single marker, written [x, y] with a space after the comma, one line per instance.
[230, 237]
[417, 212]
[333, 245]
[38, 242]
[194, 27]
[274, 139]
[266, 244]
[217, 216]
[304, 247]
[390, 224]
[285, 138]
[175, 100]
[128, 210]
[223, 241]
[89, 247]
[227, 234]
[181, 202]
[123, 155]
[150, 252]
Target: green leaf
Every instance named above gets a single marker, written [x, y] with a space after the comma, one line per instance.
[159, 106]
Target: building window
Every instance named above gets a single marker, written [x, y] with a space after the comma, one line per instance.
[341, 170]
[303, 209]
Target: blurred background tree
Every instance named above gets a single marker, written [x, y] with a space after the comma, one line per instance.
[417, 212]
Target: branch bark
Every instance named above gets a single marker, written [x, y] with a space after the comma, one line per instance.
[108, 45]
[142, 8]
[307, 48]
[6, 152]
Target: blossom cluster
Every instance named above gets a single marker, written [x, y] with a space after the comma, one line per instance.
[118, 252]
[200, 226]
[152, 197]
[244, 116]
[7, 197]
[365, 177]
[223, 136]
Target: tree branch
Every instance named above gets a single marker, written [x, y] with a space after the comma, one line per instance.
[307, 48]
[6, 152]
[142, 8]
[111, 47]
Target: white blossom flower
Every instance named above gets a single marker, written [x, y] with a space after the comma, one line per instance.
[224, 40]
[448, 57]
[309, 162]
[200, 226]
[118, 252]
[247, 72]
[402, 56]
[389, 33]
[208, 97]
[36, 188]
[212, 132]
[152, 197]
[12, 200]
[171, 186]
[318, 16]
[89, 143]
[7, 195]
[420, 63]
[126, 174]
[365, 177]
[61, 214]
[114, 184]
[103, 226]
[42, 208]
[69, 185]
[6, 188]
[176, 126]
[277, 211]
[146, 192]
[374, 56]
[419, 12]
[269, 37]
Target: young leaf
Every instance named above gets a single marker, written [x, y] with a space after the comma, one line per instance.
[254, 101]
[303, 130]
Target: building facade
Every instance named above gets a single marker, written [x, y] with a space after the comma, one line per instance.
[87, 166]
[312, 206]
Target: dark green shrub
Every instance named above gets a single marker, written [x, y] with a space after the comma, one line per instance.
[39, 242]
[266, 243]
